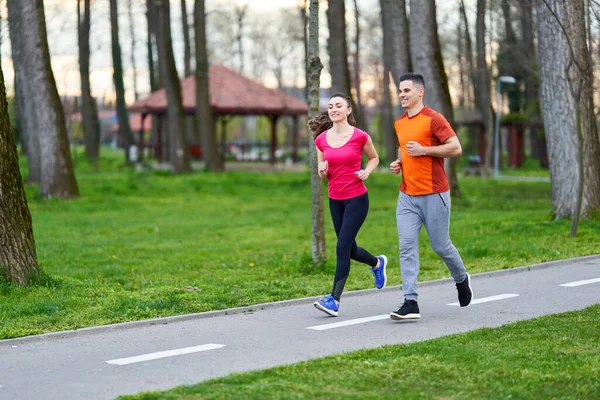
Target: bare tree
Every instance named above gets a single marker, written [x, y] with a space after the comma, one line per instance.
[356, 57]
[57, 174]
[338, 54]
[127, 139]
[18, 259]
[89, 111]
[482, 84]
[133, 42]
[206, 125]
[26, 117]
[314, 82]
[179, 153]
[187, 53]
[396, 61]
[426, 56]
[569, 121]
[241, 11]
[396, 37]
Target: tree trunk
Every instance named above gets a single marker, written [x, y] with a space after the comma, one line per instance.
[426, 56]
[127, 139]
[206, 126]
[27, 118]
[130, 14]
[396, 60]
[316, 185]
[562, 94]
[338, 55]
[89, 112]
[356, 59]
[396, 51]
[18, 259]
[178, 147]
[57, 175]
[508, 60]
[187, 52]
[482, 87]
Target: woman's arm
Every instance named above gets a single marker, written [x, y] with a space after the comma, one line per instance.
[373, 162]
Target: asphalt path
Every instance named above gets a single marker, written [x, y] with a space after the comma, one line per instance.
[104, 362]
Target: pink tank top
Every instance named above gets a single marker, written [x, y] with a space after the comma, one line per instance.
[344, 162]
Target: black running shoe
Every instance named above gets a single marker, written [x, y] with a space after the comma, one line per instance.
[465, 293]
[409, 310]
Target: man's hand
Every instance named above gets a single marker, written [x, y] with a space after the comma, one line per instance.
[415, 149]
[323, 169]
[396, 167]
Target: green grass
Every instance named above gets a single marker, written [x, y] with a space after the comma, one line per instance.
[140, 245]
[551, 357]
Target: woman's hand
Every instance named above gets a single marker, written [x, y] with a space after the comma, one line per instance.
[323, 169]
[362, 174]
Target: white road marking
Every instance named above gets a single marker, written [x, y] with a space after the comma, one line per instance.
[348, 322]
[581, 283]
[164, 354]
[488, 299]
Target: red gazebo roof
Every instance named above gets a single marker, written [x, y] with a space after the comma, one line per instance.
[230, 93]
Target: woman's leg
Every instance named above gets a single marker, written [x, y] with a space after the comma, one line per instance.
[348, 216]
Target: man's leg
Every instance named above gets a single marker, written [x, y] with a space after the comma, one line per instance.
[409, 224]
[436, 209]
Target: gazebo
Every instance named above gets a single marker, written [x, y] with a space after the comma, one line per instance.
[231, 94]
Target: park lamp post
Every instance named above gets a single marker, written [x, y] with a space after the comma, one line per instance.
[499, 81]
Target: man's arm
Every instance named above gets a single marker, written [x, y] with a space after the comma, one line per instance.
[450, 148]
[396, 166]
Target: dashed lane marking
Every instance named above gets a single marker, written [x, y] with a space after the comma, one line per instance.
[488, 299]
[164, 354]
[348, 322]
[581, 283]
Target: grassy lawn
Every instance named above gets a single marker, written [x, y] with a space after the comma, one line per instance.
[551, 357]
[140, 245]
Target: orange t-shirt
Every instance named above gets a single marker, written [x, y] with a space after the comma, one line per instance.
[425, 174]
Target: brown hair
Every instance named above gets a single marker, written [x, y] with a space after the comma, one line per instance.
[321, 122]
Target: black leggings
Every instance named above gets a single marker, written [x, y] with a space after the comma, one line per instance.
[348, 216]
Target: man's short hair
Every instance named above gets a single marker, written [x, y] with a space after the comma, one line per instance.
[412, 76]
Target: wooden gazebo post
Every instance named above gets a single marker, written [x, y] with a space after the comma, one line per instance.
[141, 143]
[274, 119]
[295, 139]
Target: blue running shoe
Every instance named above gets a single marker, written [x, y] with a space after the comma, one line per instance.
[379, 272]
[328, 305]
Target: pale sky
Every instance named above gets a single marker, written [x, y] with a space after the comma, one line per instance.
[62, 38]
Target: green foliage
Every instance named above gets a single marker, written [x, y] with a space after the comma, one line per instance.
[149, 244]
[515, 118]
[552, 357]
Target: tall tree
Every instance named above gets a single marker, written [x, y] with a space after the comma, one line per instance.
[178, 147]
[482, 84]
[130, 15]
[314, 82]
[568, 110]
[26, 118]
[509, 62]
[396, 60]
[426, 57]
[18, 259]
[127, 139]
[241, 11]
[187, 52]
[206, 125]
[57, 174]
[89, 111]
[356, 57]
[396, 37]
[338, 54]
